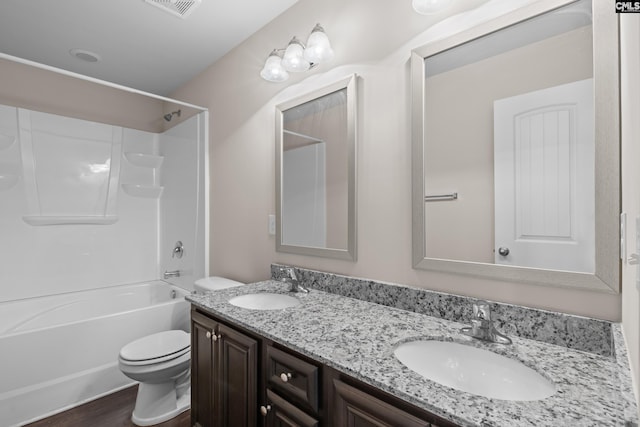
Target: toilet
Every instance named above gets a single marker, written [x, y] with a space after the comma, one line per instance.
[161, 363]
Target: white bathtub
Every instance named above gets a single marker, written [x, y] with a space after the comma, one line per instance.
[60, 351]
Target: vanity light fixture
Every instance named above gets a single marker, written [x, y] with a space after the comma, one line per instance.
[429, 7]
[273, 70]
[297, 57]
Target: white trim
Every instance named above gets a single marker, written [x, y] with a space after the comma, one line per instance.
[98, 81]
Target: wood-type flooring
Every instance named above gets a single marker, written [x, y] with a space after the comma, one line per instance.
[113, 410]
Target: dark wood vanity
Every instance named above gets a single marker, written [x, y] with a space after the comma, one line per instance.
[239, 378]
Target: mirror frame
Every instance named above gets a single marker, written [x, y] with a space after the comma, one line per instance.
[349, 253]
[607, 154]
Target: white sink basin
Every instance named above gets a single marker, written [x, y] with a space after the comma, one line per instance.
[264, 301]
[474, 370]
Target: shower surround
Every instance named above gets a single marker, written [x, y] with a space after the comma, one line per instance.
[88, 206]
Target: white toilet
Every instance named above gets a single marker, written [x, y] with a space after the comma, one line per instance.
[161, 363]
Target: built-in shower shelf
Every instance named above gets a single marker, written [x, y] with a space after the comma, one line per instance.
[144, 160]
[8, 180]
[6, 141]
[146, 191]
[69, 220]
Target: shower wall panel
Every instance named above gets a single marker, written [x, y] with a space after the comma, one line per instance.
[182, 206]
[68, 174]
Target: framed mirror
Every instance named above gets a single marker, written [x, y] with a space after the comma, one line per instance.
[316, 172]
[516, 148]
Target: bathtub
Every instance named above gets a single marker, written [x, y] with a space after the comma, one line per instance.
[59, 351]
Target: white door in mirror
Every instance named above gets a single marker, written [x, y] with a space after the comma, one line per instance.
[544, 152]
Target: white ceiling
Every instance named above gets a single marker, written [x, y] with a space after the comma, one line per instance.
[140, 45]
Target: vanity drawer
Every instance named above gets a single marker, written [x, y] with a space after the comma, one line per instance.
[281, 413]
[293, 377]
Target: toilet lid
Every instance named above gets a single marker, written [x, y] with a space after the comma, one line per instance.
[157, 345]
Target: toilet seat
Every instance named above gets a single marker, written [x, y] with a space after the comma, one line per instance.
[154, 360]
[156, 348]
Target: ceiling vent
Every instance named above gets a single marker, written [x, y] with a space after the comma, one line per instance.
[181, 8]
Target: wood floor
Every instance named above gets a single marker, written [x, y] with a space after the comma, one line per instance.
[109, 411]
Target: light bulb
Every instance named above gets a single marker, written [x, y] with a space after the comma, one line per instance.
[273, 70]
[428, 7]
[318, 47]
[293, 59]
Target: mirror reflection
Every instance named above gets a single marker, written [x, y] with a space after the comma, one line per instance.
[316, 171]
[516, 148]
[509, 127]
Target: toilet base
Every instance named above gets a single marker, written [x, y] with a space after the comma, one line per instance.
[157, 403]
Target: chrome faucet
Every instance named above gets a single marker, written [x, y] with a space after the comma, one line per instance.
[174, 273]
[293, 280]
[482, 326]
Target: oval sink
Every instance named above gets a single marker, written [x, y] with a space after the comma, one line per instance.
[264, 301]
[474, 370]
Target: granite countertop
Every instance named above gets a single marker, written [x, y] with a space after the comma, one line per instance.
[358, 338]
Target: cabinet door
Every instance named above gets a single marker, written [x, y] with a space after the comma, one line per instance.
[202, 370]
[237, 383]
[355, 408]
[280, 413]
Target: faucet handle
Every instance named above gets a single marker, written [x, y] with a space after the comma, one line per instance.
[290, 271]
[178, 250]
[481, 310]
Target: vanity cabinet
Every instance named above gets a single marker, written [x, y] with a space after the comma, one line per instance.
[293, 377]
[240, 378]
[202, 370]
[354, 407]
[292, 389]
[279, 412]
[224, 375]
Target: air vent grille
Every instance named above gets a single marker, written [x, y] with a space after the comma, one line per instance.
[181, 8]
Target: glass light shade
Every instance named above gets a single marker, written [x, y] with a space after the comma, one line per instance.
[428, 7]
[273, 70]
[293, 59]
[318, 46]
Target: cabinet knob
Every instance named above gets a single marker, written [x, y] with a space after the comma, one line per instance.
[264, 410]
[208, 334]
[216, 337]
[285, 377]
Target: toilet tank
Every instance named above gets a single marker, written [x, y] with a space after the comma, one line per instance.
[214, 283]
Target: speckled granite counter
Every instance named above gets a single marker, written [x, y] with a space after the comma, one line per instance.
[358, 338]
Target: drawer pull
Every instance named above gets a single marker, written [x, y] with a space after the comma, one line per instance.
[285, 377]
[264, 410]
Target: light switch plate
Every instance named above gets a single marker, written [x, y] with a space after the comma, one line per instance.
[272, 225]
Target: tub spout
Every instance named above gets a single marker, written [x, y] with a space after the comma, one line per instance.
[174, 273]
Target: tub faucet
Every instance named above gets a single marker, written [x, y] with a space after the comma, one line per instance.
[174, 273]
[482, 326]
[293, 280]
